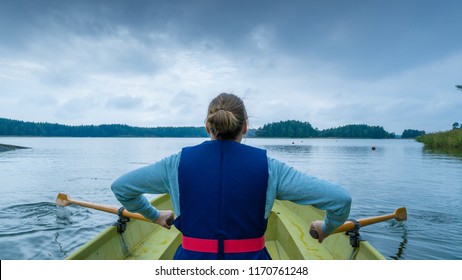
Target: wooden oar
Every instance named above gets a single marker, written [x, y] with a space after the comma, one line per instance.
[65, 200]
[400, 214]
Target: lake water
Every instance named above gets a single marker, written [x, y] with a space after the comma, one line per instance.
[397, 173]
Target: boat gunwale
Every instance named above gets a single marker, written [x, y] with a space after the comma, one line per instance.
[305, 247]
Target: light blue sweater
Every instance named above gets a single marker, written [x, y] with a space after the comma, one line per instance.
[284, 183]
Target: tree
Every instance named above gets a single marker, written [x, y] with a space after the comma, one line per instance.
[412, 133]
[455, 125]
[459, 87]
[290, 128]
[357, 131]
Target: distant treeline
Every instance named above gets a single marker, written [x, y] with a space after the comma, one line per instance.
[21, 128]
[298, 129]
[283, 129]
[292, 129]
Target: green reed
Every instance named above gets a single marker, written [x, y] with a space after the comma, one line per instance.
[451, 139]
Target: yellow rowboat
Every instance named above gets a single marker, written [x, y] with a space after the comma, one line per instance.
[287, 236]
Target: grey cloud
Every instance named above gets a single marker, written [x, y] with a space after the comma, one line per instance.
[169, 57]
[77, 107]
[183, 102]
[126, 102]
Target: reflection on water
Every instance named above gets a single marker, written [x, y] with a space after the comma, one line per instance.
[442, 152]
[61, 249]
[402, 245]
[289, 149]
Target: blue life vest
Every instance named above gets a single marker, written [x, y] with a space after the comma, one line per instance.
[222, 187]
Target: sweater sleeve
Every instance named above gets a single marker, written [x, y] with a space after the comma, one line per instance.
[286, 183]
[151, 179]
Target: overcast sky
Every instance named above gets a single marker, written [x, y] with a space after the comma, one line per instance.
[392, 63]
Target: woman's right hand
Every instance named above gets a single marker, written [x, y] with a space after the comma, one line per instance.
[165, 219]
[316, 231]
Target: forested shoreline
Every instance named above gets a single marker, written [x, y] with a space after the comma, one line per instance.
[282, 129]
[20, 128]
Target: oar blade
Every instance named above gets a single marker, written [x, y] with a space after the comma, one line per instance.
[401, 214]
[62, 200]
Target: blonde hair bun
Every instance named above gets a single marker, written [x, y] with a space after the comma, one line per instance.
[226, 116]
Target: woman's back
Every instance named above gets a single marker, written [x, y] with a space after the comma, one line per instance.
[224, 184]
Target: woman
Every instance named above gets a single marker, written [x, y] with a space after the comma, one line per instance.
[223, 191]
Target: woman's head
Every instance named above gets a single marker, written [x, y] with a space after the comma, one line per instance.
[226, 117]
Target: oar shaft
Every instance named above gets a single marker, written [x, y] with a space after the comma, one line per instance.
[364, 222]
[109, 209]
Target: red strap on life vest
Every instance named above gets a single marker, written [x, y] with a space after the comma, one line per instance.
[230, 245]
